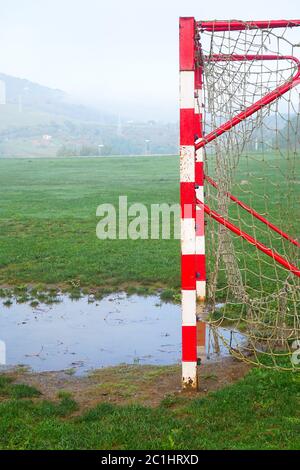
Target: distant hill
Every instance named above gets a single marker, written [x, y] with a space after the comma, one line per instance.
[38, 120]
[33, 97]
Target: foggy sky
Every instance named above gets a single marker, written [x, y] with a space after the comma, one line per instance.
[120, 55]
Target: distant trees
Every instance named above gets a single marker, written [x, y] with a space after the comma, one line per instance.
[83, 151]
[65, 151]
[22, 134]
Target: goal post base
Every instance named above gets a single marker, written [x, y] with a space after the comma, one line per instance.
[189, 376]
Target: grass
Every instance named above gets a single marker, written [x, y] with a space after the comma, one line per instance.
[259, 412]
[48, 221]
[16, 391]
[269, 183]
[47, 237]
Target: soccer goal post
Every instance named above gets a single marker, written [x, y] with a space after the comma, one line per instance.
[240, 190]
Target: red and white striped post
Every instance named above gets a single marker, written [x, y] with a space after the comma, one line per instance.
[188, 201]
[200, 225]
[192, 143]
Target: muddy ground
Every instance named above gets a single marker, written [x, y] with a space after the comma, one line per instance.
[126, 384]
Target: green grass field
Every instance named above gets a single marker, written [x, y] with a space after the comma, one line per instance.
[47, 235]
[48, 221]
[259, 412]
[48, 218]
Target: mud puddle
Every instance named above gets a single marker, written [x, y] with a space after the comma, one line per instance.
[79, 336]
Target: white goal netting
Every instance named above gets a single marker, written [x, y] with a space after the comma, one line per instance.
[253, 181]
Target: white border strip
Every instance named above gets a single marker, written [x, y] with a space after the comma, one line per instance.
[188, 305]
[187, 82]
[189, 374]
[201, 289]
[188, 237]
[187, 164]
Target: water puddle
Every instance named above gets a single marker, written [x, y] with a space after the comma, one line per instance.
[80, 336]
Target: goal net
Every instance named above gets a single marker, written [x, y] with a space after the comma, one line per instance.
[251, 145]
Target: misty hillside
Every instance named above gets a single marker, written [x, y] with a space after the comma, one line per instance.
[38, 98]
[38, 120]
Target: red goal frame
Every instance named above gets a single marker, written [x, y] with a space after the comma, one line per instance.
[193, 207]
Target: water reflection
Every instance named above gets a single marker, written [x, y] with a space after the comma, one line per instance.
[81, 335]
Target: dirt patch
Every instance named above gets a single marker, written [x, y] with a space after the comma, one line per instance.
[145, 385]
